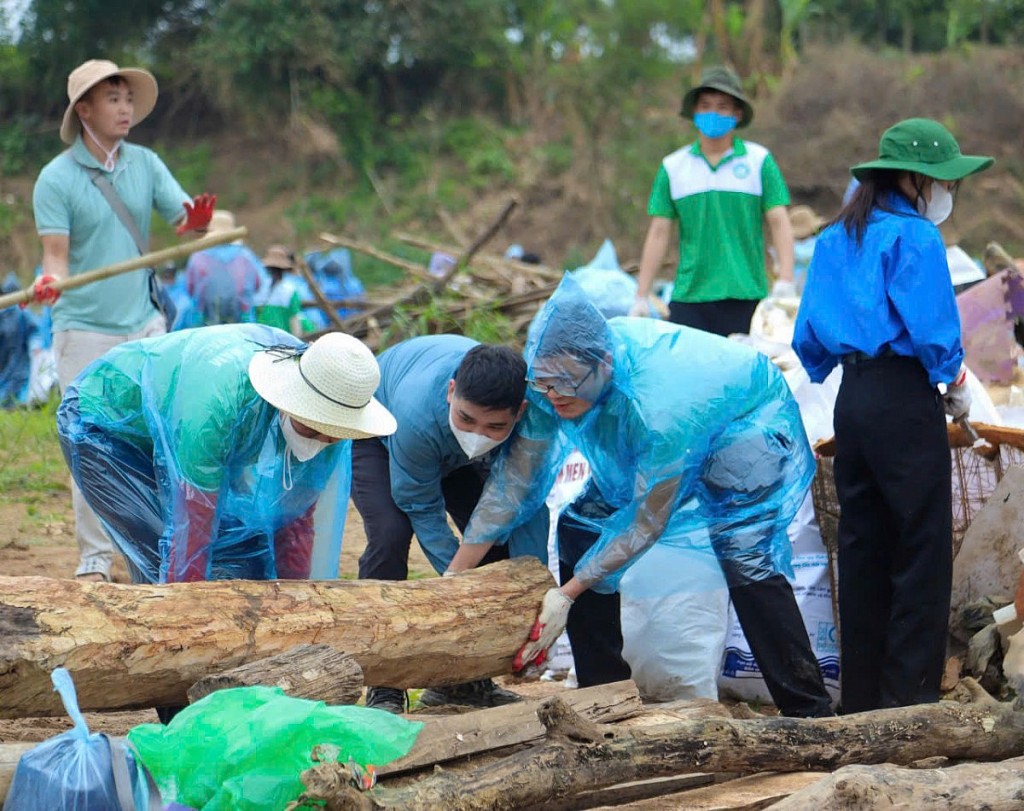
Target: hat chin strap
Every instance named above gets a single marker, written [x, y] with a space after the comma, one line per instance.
[111, 156]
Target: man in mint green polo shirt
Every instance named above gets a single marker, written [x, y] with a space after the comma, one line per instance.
[719, 190]
[80, 231]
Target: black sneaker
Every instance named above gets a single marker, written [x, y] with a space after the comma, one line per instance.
[483, 693]
[390, 699]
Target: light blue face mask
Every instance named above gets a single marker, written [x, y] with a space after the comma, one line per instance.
[714, 125]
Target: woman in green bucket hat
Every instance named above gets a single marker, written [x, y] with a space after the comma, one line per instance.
[879, 301]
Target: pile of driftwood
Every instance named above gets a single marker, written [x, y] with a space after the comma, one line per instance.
[143, 646]
[474, 280]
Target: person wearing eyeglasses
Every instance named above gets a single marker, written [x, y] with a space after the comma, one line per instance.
[693, 441]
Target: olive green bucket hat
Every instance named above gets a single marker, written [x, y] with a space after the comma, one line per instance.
[924, 146]
[722, 79]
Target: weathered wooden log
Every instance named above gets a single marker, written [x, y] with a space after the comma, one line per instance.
[316, 672]
[457, 736]
[958, 788]
[143, 646]
[582, 756]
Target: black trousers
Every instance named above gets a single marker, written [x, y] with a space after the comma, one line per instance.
[893, 479]
[766, 609]
[719, 317]
[388, 529]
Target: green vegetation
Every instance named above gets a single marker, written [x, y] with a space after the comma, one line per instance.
[32, 469]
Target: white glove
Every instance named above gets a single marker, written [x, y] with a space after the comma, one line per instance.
[957, 400]
[783, 289]
[554, 613]
[641, 307]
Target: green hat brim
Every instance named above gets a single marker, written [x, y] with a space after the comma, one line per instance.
[690, 100]
[953, 169]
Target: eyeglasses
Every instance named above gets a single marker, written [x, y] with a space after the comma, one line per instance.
[564, 388]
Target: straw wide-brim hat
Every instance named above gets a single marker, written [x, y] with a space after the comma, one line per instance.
[279, 257]
[89, 74]
[328, 386]
[805, 221]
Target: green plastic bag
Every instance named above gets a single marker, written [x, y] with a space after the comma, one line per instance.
[244, 749]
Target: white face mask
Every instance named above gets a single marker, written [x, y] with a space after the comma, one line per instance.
[473, 445]
[303, 448]
[940, 206]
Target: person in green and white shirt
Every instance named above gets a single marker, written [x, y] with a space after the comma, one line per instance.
[282, 304]
[720, 190]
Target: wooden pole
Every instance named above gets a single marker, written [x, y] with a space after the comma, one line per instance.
[146, 260]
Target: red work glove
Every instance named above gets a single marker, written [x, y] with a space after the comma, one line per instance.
[199, 214]
[293, 548]
[42, 292]
[189, 556]
[554, 613]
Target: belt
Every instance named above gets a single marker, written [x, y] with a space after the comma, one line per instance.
[863, 357]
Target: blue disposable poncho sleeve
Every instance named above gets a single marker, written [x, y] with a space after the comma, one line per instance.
[520, 478]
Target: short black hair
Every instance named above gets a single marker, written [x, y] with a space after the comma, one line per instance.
[492, 377]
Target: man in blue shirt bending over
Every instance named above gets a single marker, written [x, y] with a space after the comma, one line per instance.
[456, 402]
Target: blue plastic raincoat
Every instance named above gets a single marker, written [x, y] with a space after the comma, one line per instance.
[184, 461]
[414, 379]
[693, 440]
[17, 330]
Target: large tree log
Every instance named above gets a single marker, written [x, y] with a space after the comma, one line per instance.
[143, 646]
[958, 788]
[582, 756]
[315, 672]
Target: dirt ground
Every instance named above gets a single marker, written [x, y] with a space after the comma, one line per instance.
[47, 548]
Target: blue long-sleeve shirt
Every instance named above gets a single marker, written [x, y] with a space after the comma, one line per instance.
[891, 292]
[414, 385]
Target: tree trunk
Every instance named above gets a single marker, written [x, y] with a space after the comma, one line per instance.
[144, 646]
[315, 672]
[959, 788]
[582, 756]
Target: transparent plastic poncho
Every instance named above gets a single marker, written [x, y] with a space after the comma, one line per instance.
[185, 462]
[693, 440]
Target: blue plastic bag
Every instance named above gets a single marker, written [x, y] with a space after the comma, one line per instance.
[79, 771]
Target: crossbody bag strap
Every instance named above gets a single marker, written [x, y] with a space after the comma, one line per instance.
[120, 209]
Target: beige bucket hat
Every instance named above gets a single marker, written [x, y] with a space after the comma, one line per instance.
[278, 256]
[328, 386]
[805, 221]
[221, 221]
[89, 74]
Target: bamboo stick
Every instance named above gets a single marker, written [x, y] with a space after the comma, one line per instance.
[146, 260]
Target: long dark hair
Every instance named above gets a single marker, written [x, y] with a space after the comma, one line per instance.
[877, 186]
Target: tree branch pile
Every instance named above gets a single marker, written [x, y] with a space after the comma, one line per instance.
[579, 755]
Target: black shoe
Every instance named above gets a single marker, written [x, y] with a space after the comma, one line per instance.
[483, 693]
[390, 699]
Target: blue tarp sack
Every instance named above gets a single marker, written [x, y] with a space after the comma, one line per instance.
[79, 771]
